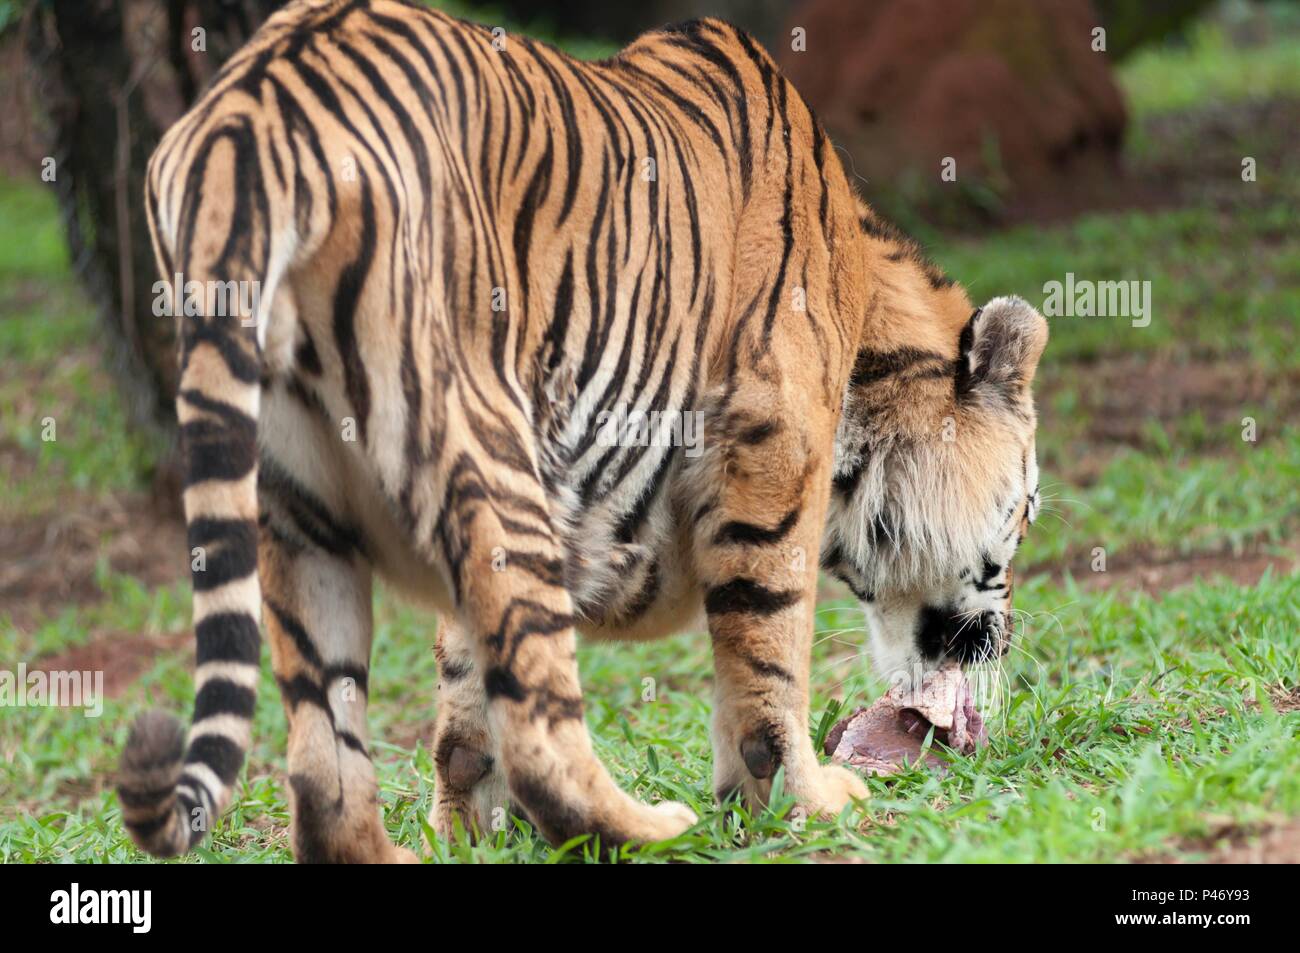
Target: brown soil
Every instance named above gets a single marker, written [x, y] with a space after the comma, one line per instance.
[1235, 844]
[1120, 398]
[122, 658]
[1286, 701]
[15, 462]
[1191, 148]
[1184, 164]
[52, 559]
[1280, 845]
[1123, 395]
[411, 735]
[1163, 576]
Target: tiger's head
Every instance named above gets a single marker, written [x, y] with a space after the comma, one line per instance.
[935, 485]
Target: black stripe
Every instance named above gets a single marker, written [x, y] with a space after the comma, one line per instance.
[346, 297]
[219, 753]
[689, 109]
[300, 126]
[305, 356]
[787, 220]
[220, 696]
[544, 569]
[572, 136]
[697, 43]
[227, 414]
[499, 682]
[557, 330]
[847, 483]
[872, 366]
[455, 671]
[147, 830]
[295, 630]
[759, 433]
[522, 619]
[559, 820]
[215, 452]
[141, 798]
[310, 515]
[340, 670]
[539, 186]
[302, 688]
[749, 534]
[230, 550]
[228, 637]
[351, 741]
[229, 338]
[746, 595]
[646, 597]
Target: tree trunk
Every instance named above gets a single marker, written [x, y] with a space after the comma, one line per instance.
[114, 74]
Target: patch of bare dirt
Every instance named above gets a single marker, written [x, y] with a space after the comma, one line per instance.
[1285, 701]
[1189, 149]
[1163, 576]
[15, 462]
[1116, 402]
[1119, 399]
[1237, 844]
[1125, 394]
[1280, 845]
[122, 657]
[51, 559]
[411, 735]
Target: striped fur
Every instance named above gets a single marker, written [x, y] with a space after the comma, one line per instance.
[468, 254]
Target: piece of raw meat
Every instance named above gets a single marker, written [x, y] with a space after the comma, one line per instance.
[888, 735]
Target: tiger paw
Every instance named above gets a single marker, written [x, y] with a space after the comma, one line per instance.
[633, 822]
[679, 818]
[832, 789]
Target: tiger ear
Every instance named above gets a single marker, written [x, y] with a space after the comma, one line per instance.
[999, 349]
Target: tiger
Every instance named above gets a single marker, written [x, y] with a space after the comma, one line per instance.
[469, 249]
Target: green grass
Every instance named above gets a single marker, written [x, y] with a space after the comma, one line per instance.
[1206, 297]
[56, 407]
[1126, 726]
[1173, 504]
[1209, 67]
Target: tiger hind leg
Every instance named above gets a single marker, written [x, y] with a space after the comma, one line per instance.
[316, 584]
[471, 789]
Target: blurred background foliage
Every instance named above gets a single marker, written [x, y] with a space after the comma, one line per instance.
[1008, 89]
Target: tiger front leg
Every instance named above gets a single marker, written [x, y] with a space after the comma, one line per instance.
[757, 543]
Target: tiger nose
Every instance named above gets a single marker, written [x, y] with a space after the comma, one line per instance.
[978, 639]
